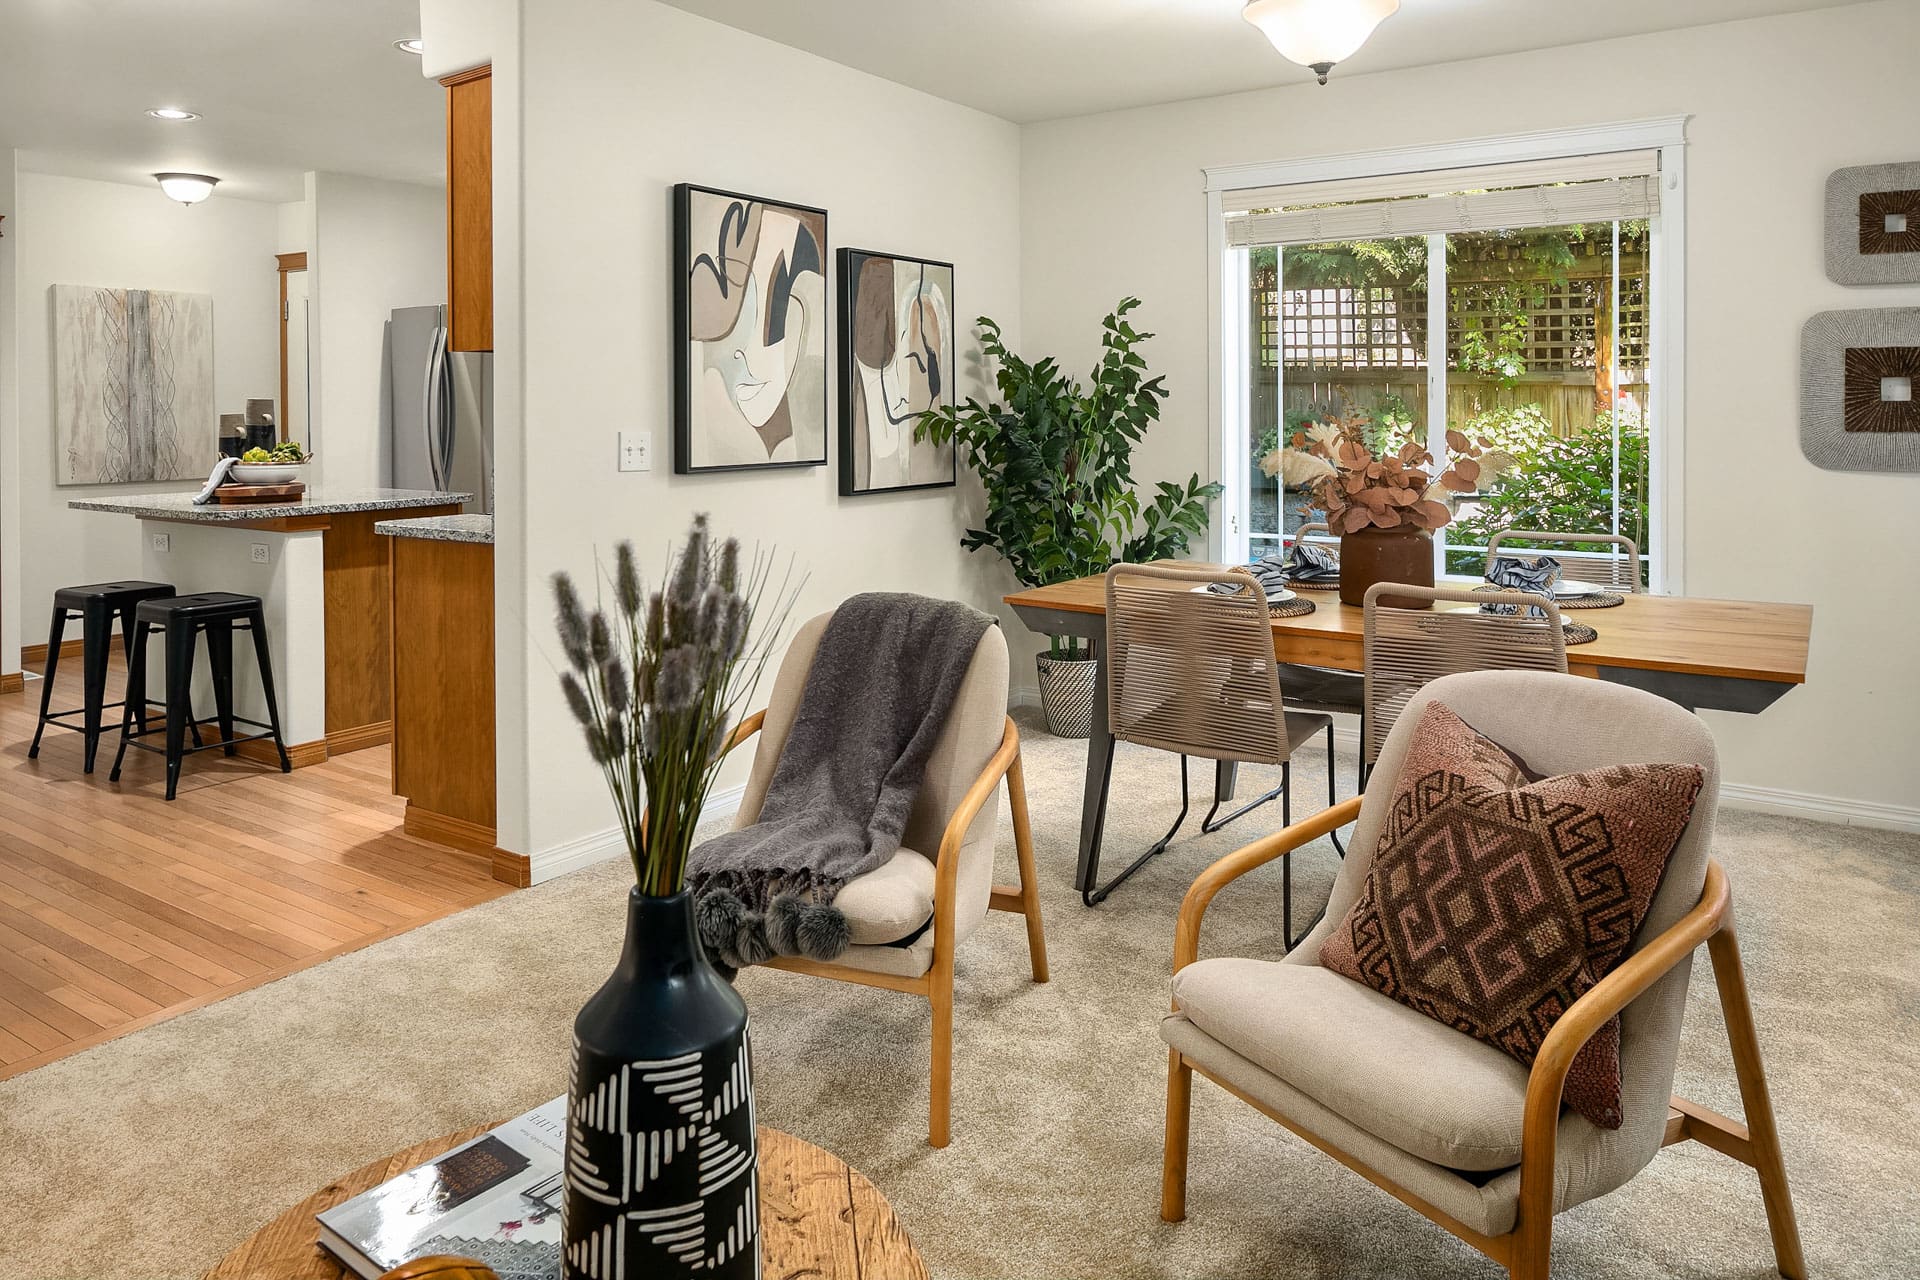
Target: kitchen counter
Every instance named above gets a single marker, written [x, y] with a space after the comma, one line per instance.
[476, 528]
[320, 501]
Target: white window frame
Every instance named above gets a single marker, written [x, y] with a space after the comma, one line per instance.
[1666, 317]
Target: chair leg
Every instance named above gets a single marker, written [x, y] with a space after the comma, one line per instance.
[220, 663]
[1730, 977]
[1093, 897]
[97, 628]
[1029, 877]
[55, 630]
[1532, 1253]
[940, 1101]
[1173, 1159]
[1333, 791]
[180, 638]
[136, 694]
[257, 623]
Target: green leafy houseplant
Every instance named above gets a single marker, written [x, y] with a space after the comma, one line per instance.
[655, 684]
[1056, 457]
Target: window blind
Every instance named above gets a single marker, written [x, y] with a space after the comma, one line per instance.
[1599, 188]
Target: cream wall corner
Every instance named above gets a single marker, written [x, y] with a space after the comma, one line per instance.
[1112, 204]
[10, 594]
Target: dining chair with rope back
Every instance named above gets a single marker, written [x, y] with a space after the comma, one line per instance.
[1325, 689]
[1407, 649]
[1616, 570]
[1191, 670]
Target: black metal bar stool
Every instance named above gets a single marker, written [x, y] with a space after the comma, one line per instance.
[96, 606]
[219, 614]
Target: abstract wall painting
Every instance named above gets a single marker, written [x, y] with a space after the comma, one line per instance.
[132, 385]
[750, 332]
[1873, 224]
[1858, 371]
[896, 362]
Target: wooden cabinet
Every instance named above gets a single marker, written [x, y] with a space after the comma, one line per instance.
[470, 209]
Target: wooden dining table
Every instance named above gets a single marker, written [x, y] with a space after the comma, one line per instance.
[1718, 655]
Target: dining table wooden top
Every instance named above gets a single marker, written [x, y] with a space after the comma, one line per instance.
[1728, 639]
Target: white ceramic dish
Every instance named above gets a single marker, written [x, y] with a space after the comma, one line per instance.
[266, 472]
[1273, 597]
[1568, 588]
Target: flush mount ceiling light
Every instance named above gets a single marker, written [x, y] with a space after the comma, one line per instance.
[413, 46]
[173, 113]
[187, 188]
[1318, 33]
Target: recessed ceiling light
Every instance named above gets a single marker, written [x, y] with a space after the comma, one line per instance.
[413, 46]
[187, 188]
[173, 113]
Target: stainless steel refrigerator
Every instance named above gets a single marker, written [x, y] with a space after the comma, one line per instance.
[438, 409]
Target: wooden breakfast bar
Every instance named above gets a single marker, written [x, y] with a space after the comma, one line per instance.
[1718, 655]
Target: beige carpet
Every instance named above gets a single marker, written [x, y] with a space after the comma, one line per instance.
[150, 1156]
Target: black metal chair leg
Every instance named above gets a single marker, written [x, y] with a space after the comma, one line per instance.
[95, 626]
[220, 662]
[1333, 792]
[179, 682]
[1210, 824]
[55, 631]
[1093, 896]
[136, 699]
[257, 623]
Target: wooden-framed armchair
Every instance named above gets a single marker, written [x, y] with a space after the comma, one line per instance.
[908, 916]
[1450, 1126]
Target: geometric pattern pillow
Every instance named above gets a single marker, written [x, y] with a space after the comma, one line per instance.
[1497, 898]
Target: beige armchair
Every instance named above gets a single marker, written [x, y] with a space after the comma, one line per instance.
[909, 915]
[1450, 1126]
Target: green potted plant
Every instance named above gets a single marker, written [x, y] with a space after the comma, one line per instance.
[1056, 458]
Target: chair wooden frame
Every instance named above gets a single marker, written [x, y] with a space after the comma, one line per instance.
[1525, 1250]
[936, 985]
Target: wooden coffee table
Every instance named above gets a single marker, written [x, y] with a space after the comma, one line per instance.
[818, 1217]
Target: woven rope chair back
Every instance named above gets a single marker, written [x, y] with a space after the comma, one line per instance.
[1618, 569]
[1408, 648]
[1317, 531]
[1189, 670]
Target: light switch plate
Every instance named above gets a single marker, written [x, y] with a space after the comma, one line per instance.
[261, 553]
[636, 450]
[160, 541]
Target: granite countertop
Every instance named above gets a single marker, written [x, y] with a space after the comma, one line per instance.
[440, 528]
[316, 502]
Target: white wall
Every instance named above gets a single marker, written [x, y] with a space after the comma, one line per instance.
[621, 100]
[377, 245]
[1112, 204]
[10, 598]
[78, 231]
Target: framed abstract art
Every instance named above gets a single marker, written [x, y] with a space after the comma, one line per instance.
[750, 332]
[896, 362]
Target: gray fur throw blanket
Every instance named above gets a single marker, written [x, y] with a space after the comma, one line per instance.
[875, 701]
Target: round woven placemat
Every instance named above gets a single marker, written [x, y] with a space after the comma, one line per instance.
[1294, 608]
[1579, 633]
[1318, 584]
[1598, 600]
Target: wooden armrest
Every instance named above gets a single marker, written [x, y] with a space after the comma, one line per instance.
[1639, 971]
[1186, 933]
[744, 730]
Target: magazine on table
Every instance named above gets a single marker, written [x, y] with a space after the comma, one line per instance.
[495, 1200]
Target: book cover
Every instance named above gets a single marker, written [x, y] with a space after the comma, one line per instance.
[495, 1199]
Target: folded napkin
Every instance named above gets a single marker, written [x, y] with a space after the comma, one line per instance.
[1308, 563]
[1535, 576]
[1268, 571]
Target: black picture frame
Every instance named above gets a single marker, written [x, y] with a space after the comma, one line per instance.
[685, 354]
[848, 268]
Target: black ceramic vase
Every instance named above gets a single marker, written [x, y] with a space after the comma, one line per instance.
[662, 1161]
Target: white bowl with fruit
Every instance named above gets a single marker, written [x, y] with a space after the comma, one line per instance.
[278, 465]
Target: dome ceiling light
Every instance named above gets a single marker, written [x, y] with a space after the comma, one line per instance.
[187, 188]
[1318, 33]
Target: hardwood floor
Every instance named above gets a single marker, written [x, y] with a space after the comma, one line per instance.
[119, 910]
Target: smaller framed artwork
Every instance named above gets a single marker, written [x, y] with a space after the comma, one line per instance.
[1873, 224]
[897, 360]
[749, 331]
[1858, 372]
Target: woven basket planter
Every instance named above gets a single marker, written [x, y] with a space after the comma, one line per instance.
[1066, 695]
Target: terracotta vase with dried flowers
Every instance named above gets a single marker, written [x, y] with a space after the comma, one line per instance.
[1384, 500]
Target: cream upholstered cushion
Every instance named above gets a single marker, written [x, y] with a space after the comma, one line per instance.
[889, 902]
[1422, 1086]
[967, 741]
[1557, 724]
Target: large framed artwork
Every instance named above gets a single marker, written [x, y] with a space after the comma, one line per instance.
[132, 385]
[896, 362]
[750, 332]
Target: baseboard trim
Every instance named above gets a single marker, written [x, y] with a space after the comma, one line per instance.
[301, 755]
[1819, 808]
[12, 681]
[34, 655]
[456, 833]
[584, 851]
[360, 738]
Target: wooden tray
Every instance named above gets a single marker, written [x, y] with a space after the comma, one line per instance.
[241, 493]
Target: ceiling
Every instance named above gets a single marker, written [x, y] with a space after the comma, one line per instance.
[281, 86]
[1031, 60]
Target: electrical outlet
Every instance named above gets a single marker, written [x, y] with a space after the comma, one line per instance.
[636, 450]
[261, 553]
[160, 541]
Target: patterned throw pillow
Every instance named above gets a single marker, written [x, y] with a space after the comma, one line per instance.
[1497, 898]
